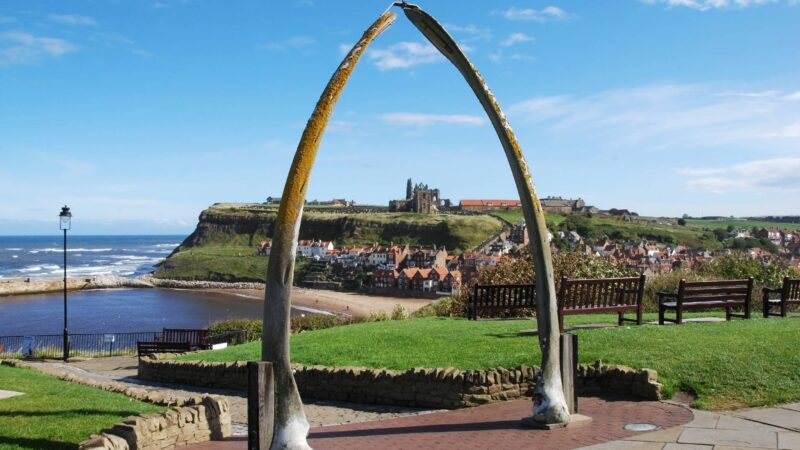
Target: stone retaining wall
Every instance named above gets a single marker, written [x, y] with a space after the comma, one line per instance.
[193, 419]
[177, 427]
[430, 388]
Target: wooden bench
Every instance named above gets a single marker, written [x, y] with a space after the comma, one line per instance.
[601, 295]
[197, 338]
[147, 348]
[789, 295]
[486, 299]
[576, 296]
[703, 295]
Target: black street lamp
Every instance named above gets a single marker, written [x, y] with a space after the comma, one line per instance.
[65, 223]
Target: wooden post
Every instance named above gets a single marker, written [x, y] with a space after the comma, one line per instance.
[569, 369]
[260, 405]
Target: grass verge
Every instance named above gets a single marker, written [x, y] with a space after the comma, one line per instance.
[56, 414]
[729, 365]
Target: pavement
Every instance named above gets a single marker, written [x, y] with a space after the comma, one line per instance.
[123, 369]
[496, 426]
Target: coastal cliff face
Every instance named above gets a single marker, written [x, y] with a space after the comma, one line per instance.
[249, 224]
[223, 245]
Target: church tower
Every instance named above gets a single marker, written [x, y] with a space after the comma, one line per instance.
[409, 190]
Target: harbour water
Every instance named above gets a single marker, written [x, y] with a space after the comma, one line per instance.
[122, 311]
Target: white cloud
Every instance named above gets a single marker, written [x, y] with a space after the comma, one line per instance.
[72, 19]
[470, 32]
[403, 55]
[538, 15]
[23, 48]
[793, 95]
[705, 5]
[426, 120]
[669, 116]
[516, 38]
[767, 174]
[291, 43]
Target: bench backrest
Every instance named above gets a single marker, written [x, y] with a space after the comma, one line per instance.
[578, 293]
[711, 291]
[504, 295]
[193, 337]
[791, 289]
[144, 348]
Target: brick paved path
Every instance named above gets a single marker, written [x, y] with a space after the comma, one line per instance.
[496, 427]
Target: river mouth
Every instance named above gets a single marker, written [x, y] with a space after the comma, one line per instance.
[125, 310]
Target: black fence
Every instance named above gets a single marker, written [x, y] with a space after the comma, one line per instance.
[96, 345]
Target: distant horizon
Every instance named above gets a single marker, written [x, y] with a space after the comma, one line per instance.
[186, 233]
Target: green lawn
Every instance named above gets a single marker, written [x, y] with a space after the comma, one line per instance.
[729, 365]
[55, 414]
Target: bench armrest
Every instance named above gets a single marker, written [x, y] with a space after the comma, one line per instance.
[772, 290]
[665, 295]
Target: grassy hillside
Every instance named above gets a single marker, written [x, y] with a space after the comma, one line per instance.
[223, 246]
[710, 224]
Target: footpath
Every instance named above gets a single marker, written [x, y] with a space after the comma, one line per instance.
[495, 426]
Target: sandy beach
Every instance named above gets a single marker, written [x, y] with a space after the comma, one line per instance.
[338, 302]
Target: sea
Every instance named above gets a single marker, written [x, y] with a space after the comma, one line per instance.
[40, 257]
[106, 310]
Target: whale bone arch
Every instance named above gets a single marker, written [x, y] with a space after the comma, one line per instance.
[290, 424]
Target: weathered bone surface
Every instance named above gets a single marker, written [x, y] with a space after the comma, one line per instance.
[291, 426]
[549, 404]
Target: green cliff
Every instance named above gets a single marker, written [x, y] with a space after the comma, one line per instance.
[223, 246]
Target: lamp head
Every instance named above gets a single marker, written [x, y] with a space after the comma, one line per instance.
[65, 218]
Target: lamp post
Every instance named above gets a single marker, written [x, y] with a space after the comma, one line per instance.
[65, 223]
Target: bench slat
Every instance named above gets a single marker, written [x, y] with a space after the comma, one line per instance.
[694, 284]
[709, 297]
[732, 290]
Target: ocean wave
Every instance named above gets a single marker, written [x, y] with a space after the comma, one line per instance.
[134, 258]
[166, 245]
[15, 256]
[39, 268]
[61, 250]
[14, 249]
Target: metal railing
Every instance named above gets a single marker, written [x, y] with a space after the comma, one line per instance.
[96, 344]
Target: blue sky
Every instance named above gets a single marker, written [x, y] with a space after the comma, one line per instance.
[140, 114]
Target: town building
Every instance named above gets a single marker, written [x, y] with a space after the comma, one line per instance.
[550, 205]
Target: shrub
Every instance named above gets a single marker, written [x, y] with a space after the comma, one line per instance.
[309, 322]
[443, 307]
[252, 327]
[399, 312]
[377, 316]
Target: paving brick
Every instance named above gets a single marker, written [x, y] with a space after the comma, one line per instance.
[781, 417]
[789, 441]
[495, 426]
[733, 438]
[668, 435]
[674, 446]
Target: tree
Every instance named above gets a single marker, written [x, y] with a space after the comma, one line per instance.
[682, 222]
[720, 234]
